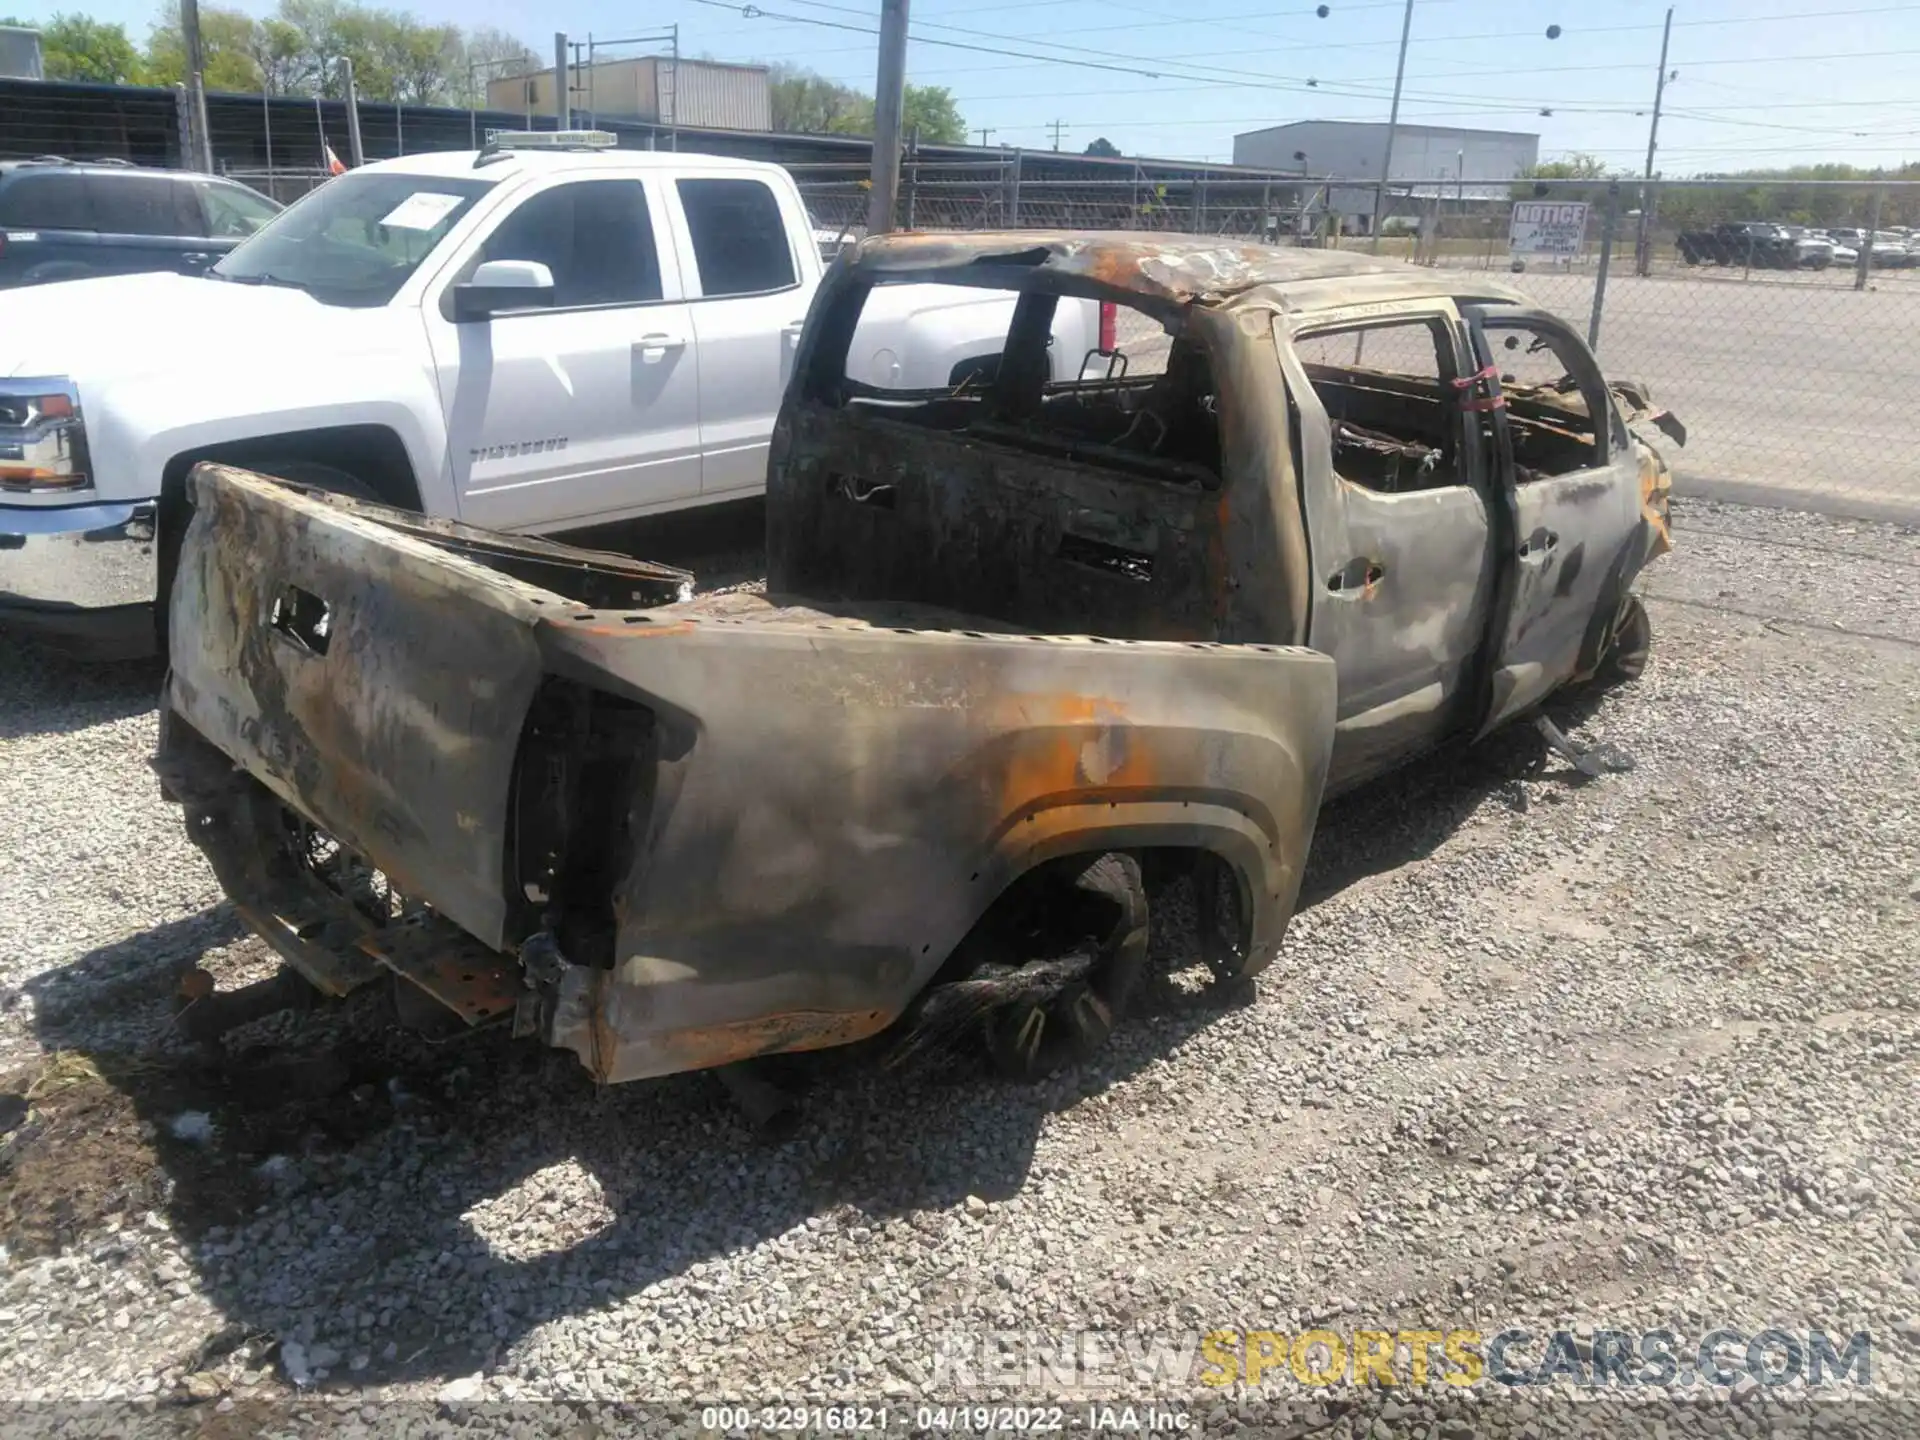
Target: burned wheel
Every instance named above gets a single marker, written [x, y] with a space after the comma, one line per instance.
[1632, 643]
[1081, 935]
[1220, 918]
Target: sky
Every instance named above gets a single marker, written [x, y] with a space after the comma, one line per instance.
[1760, 82]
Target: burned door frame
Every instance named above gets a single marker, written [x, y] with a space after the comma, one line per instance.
[1570, 538]
[1411, 644]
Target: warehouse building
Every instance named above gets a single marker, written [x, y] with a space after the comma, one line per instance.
[1428, 160]
[698, 94]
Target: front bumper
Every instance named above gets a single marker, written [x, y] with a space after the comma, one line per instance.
[82, 576]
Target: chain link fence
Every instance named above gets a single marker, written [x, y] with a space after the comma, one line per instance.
[282, 183]
[1780, 321]
[996, 194]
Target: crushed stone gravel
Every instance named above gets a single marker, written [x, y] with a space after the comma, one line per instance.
[1634, 1052]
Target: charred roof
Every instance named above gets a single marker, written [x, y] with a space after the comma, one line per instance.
[1170, 269]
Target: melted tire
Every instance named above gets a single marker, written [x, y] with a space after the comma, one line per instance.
[1220, 919]
[1632, 645]
[1099, 904]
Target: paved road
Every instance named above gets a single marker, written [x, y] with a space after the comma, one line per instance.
[1796, 390]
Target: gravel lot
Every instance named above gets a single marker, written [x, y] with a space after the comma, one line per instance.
[1635, 1052]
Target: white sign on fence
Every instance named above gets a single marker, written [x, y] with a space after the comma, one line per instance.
[1548, 227]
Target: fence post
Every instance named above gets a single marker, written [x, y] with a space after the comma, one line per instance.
[1649, 218]
[1199, 204]
[911, 181]
[1865, 262]
[1010, 203]
[355, 149]
[183, 120]
[1606, 261]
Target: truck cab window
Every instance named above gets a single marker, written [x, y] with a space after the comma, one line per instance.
[1095, 381]
[739, 238]
[596, 236]
[1389, 397]
[1550, 413]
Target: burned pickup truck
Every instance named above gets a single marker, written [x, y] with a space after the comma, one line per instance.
[1030, 651]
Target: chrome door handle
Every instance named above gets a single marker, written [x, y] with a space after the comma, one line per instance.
[654, 349]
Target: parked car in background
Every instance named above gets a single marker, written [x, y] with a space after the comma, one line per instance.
[1757, 244]
[1811, 249]
[1844, 254]
[70, 219]
[1891, 251]
[541, 336]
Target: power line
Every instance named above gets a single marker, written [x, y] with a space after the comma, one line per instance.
[1422, 41]
[1229, 78]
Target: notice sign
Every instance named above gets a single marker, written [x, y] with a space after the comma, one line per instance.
[1548, 227]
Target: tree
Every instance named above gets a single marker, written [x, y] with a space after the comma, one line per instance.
[226, 50]
[1104, 148]
[805, 102]
[1577, 166]
[932, 112]
[808, 103]
[425, 64]
[493, 55]
[74, 47]
[279, 54]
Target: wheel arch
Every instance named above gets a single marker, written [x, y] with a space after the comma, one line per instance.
[1167, 837]
[373, 453]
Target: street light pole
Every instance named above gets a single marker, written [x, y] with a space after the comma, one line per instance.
[1642, 260]
[1393, 125]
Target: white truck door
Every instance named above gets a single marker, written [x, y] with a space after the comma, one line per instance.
[589, 410]
[748, 289]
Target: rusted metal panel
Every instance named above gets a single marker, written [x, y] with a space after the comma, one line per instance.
[374, 727]
[1169, 269]
[672, 833]
[835, 806]
[830, 796]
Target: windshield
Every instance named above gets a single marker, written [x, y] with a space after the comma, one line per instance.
[356, 239]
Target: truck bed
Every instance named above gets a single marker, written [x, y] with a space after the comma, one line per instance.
[667, 831]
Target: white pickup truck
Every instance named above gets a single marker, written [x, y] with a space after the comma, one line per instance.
[529, 339]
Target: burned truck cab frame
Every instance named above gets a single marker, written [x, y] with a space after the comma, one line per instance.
[1030, 651]
[1452, 602]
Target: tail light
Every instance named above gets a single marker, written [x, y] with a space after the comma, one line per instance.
[1108, 313]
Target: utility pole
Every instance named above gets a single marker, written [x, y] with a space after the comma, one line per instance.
[202, 159]
[1393, 125]
[986, 130]
[354, 147]
[562, 84]
[889, 100]
[1057, 126]
[1642, 256]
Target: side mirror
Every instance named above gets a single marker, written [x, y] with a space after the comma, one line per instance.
[503, 285]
